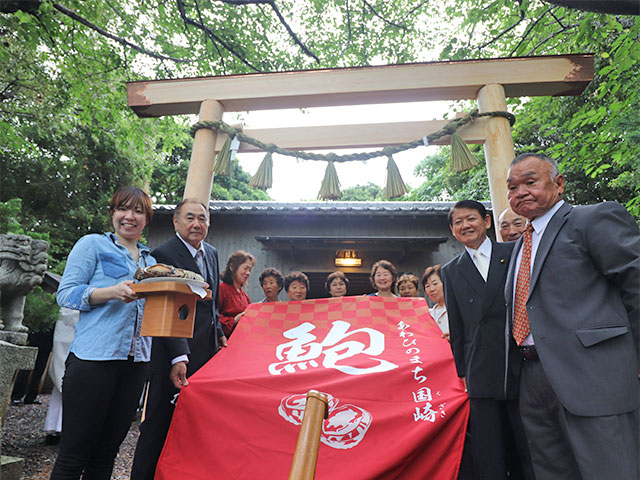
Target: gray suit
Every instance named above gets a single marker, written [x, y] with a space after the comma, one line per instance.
[584, 314]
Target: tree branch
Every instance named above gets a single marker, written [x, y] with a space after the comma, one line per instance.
[295, 38]
[212, 35]
[346, 47]
[282, 20]
[542, 42]
[505, 31]
[8, 92]
[215, 45]
[414, 9]
[70, 13]
[388, 22]
[556, 18]
[529, 29]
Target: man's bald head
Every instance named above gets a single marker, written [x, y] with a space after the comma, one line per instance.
[511, 225]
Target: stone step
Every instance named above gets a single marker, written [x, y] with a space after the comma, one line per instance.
[11, 467]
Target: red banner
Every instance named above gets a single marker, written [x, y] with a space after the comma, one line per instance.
[396, 406]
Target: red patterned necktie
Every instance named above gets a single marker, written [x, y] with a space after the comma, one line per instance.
[520, 318]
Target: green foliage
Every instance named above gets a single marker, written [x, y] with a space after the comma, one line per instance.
[363, 193]
[236, 187]
[9, 216]
[443, 184]
[594, 136]
[41, 312]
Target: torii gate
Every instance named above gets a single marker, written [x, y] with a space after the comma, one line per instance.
[488, 81]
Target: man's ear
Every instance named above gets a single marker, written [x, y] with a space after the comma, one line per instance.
[487, 222]
[559, 181]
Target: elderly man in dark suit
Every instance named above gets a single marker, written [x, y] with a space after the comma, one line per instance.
[473, 288]
[573, 294]
[173, 360]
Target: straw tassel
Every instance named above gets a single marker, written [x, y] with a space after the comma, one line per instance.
[461, 157]
[223, 160]
[330, 188]
[395, 185]
[263, 179]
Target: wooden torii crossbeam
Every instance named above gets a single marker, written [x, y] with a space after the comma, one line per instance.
[488, 81]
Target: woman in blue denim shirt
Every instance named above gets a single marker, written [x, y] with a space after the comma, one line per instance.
[105, 368]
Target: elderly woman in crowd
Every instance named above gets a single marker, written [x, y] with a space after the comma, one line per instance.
[337, 284]
[383, 278]
[233, 299]
[105, 367]
[407, 285]
[272, 282]
[296, 284]
[432, 283]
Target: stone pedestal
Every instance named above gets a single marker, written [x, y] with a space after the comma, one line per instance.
[17, 338]
[12, 358]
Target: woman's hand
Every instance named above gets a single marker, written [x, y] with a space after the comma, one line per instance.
[237, 318]
[122, 291]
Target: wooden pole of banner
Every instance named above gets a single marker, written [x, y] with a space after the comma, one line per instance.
[305, 457]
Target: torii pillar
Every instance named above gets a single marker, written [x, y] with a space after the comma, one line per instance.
[498, 147]
[203, 155]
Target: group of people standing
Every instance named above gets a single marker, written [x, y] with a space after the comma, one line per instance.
[544, 331]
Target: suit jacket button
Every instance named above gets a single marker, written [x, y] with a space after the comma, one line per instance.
[471, 300]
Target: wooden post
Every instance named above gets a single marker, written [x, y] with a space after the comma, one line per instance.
[305, 457]
[203, 155]
[498, 148]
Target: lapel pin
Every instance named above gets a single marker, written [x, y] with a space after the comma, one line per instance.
[502, 260]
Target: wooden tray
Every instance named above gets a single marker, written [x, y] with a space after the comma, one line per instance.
[169, 310]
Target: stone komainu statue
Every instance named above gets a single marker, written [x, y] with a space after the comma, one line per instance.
[23, 262]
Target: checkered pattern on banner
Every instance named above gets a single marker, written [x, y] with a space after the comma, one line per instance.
[379, 312]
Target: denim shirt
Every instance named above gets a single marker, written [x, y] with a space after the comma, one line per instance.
[104, 331]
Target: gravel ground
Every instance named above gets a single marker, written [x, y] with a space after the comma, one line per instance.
[23, 436]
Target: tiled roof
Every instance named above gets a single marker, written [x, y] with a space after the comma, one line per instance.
[241, 207]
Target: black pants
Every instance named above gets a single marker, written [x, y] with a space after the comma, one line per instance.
[498, 442]
[99, 401]
[27, 383]
[154, 429]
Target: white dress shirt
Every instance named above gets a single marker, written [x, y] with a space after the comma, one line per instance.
[485, 250]
[539, 225]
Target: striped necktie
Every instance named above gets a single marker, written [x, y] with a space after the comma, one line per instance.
[200, 262]
[520, 318]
